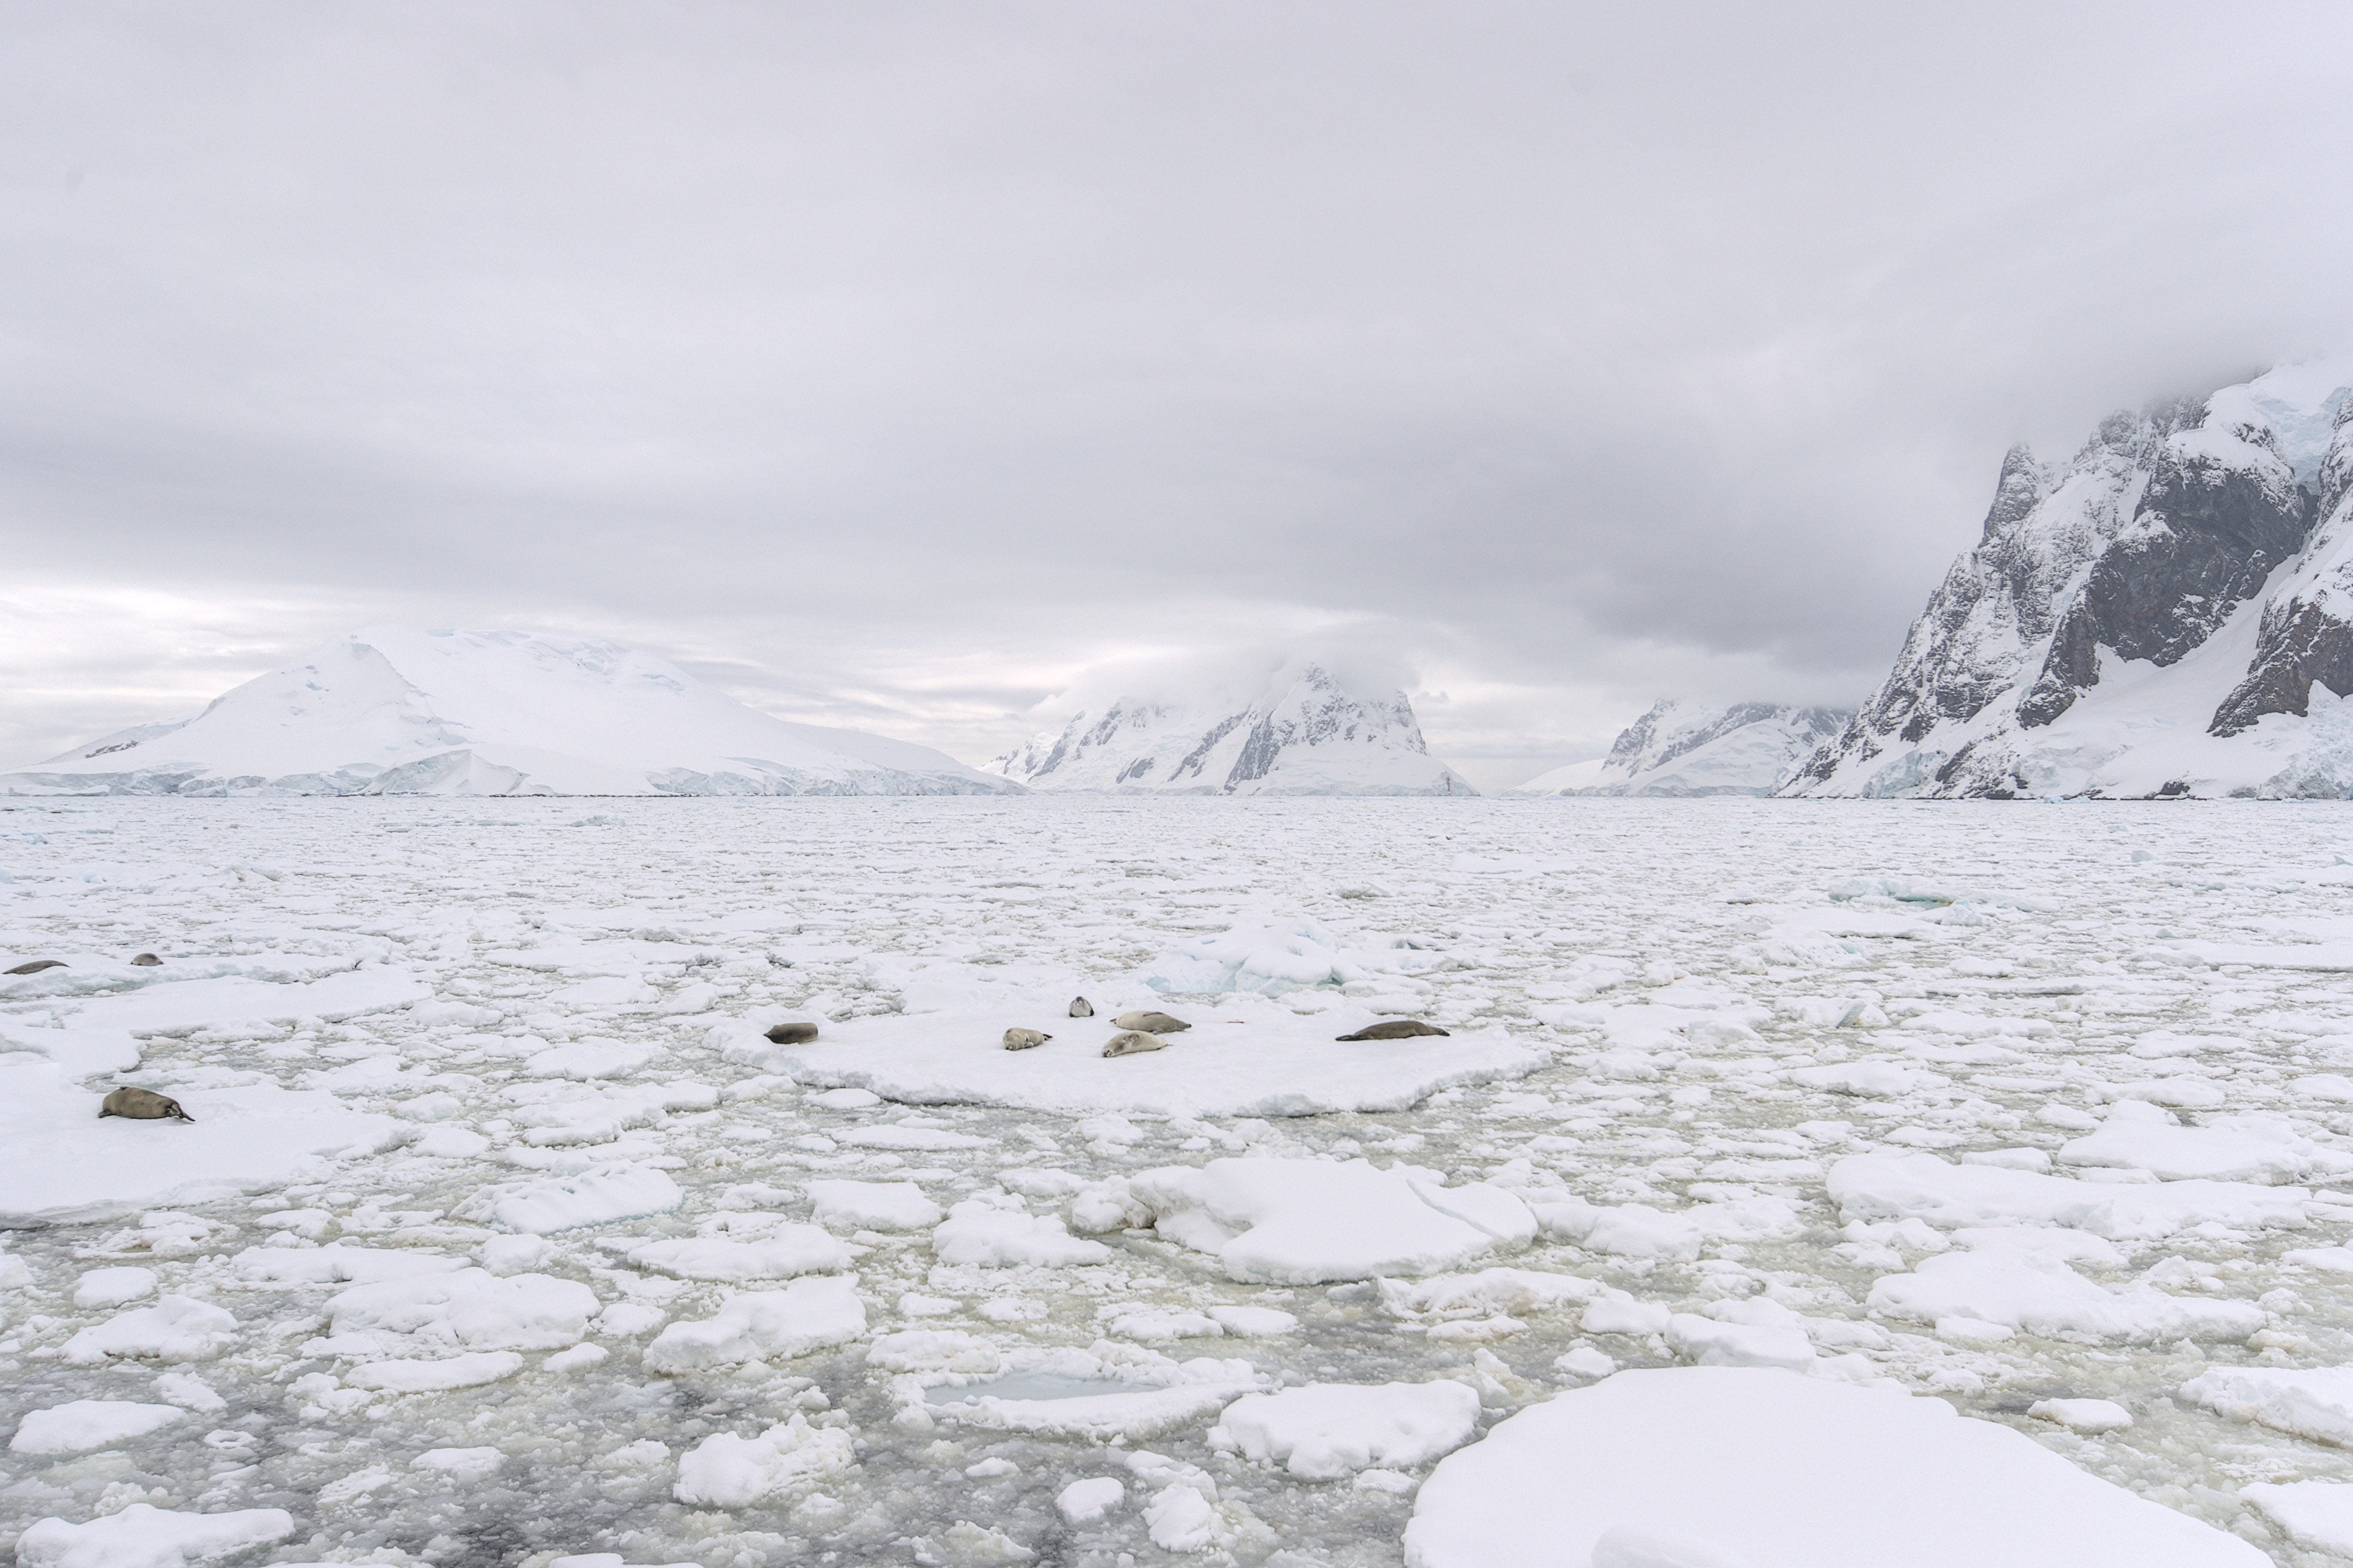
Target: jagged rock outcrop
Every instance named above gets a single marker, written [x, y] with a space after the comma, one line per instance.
[1304, 731]
[391, 711]
[1687, 749]
[2128, 621]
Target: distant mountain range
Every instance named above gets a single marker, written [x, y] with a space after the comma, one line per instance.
[1689, 749]
[393, 710]
[1302, 731]
[2168, 613]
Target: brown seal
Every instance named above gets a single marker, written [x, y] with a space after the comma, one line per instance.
[1025, 1040]
[143, 1105]
[1393, 1029]
[793, 1034]
[1132, 1042]
[37, 965]
[1150, 1022]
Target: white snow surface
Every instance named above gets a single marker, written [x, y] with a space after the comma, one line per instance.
[2040, 1112]
[1682, 749]
[1305, 728]
[1693, 1468]
[396, 710]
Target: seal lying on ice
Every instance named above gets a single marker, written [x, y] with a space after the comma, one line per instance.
[37, 965]
[1151, 1022]
[1081, 1008]
[1132, 1041]
[1025, 1040]
[1393, 1029]
[792, 1033]
[142, 1105]
[145, 960]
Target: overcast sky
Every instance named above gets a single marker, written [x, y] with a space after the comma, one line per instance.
[892, 364]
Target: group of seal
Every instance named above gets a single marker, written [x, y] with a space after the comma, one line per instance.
[143, 960]
[1139, 1031]
[142, 1105]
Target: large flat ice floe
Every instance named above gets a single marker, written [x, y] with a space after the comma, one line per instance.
[1243, 1057]
[60, 1160]
[1746, 1468]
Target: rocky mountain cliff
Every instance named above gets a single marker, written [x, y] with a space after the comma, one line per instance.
[2150, 617]
[391, 711]
[1302, 732]
[1689, 749]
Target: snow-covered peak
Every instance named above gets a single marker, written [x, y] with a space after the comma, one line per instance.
[1302, 729]
[393, 709]
[1691, 749]
[2150, 618]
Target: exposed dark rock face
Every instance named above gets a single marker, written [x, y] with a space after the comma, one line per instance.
[2168, 527]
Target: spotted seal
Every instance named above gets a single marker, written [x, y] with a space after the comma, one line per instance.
[1393, 1029]
[142, 1105]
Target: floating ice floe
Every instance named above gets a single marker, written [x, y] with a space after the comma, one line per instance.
[872, 1205]
[1747, 1467]
[338, 1263]
[144, 1536]
[175, 1328]
[2310, 1402]
[1921, 1187]
[60, 1162]
[1304, 1222]
[1639, 1230]
[761, 1325]
[435, 1376]
[736, 1248]
[597, 1196]
[2315, 1514]
[2037, 1292]
[2141, 1136]
[82, 1425]
[978, 1231]
[1110, 1391]
[470, 1309]
[1242, 1056]
[1324, 1431]
[730, 1471]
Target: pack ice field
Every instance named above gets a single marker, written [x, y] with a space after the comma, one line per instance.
[1816, 1182]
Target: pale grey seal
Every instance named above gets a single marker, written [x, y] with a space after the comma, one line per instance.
[793, 1034]
[142, 1105]
[1393, 1029]
[1081, 1008]
[1025, 1040]
[145, 960]
[1131, 1042]
[1151, 1022]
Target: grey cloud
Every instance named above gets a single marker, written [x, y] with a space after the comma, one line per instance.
[900, 362]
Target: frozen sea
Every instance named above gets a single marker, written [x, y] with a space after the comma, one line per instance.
[502, 1235]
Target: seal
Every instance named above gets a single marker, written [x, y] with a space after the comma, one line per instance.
[1393, 1029]
[37, 965]
[1150, 1022]
[142, 1105]
[793, 1034]
[1133, 1041]
[1081, 1008]
[145, 960]
[1025, 1040]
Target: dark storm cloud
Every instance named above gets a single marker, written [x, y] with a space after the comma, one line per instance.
[894, 361]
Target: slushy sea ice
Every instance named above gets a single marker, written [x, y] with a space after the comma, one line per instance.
[1977, 1107]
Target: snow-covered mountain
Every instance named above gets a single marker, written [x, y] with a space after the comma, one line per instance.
[1688, 749]
[2169, 613]
[1305, 731]
[391, 711]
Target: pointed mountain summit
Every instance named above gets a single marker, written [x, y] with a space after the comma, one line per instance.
[393, 710]
[1690, 749]
[2169, 613]
[1305, 731]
